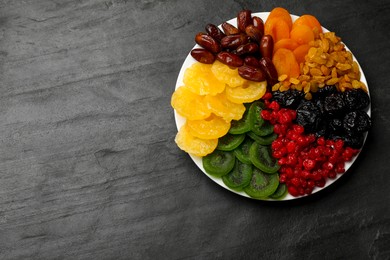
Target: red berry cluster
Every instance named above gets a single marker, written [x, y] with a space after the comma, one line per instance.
[306, 161]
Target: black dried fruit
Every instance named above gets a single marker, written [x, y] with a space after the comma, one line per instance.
[335, 126]
[354, 141]
[334, 104]
[320, 104]
[325, 91]
[308, 116]
[321, 128]
[288, 99]
[356, 99]
[356, 122]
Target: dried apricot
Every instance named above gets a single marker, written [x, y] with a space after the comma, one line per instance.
[194, 145]
[189, 104]
[210, 128]
[300, 52]
[281, 13]
[200, 79]
[277, 28]
[302, 34]
[286, 43]
[311, 21]
[248, 92]
[285, 63]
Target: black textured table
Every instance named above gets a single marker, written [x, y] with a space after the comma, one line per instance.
[88, 164]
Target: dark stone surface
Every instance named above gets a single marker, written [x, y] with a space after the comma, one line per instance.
[88, 164]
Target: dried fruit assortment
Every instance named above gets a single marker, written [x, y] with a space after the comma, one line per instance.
[273, 107]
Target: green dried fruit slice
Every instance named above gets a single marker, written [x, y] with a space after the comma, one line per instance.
[280, 192]
[218, 163]
[242, 151]
[261, 158]
[255, 114]
[239, 177]
[262, 185]
[241, 126]
[263, 140]
[230, 142]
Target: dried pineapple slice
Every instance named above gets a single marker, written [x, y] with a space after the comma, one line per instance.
[248, 92]
[189, 104]
[210, 128]
[226, 74]
[221, 106]
[200, 79]
[194, 145]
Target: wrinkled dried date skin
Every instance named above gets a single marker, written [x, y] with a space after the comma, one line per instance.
[203, 56]
[249, 48]
[266, 46]
[230, 59]
[207, 42]
[252, 61]
[229, 29]
[233, 41]
[254, 33]
[268, 67]
[214, 32]
[251, 73]
[258, 23]
[244, 19]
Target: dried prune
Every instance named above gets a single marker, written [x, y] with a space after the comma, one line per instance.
[325, 91]
[354, 141]
[356, 122]
[335, 126]
[320, 104]
[308, 116]
[356, 99]
[289, 99]
[334, 104]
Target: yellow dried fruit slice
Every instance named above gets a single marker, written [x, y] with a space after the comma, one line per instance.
[221, 106]
[210, 128]
[189, 104]
[194, 145]
[248, 92]
[200, 79]
[226, 74]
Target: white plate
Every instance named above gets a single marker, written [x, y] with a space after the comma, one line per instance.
[198, 160]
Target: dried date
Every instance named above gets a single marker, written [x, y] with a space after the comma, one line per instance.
[207, 42]
[233, 41]
[214, 32]
[251, 73]
[229, 29]
[203, 55]
[266, 46]
[244, 19]
[230, 59]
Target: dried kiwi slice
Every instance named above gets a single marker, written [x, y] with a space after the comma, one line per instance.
[218, 163]
[239, 177]
[241, 126]
[230, 142]
[265, 129]
[261, 158]
[242, 151]
[263, 140]
[255, 114]
[280, 192]
[262, 185]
